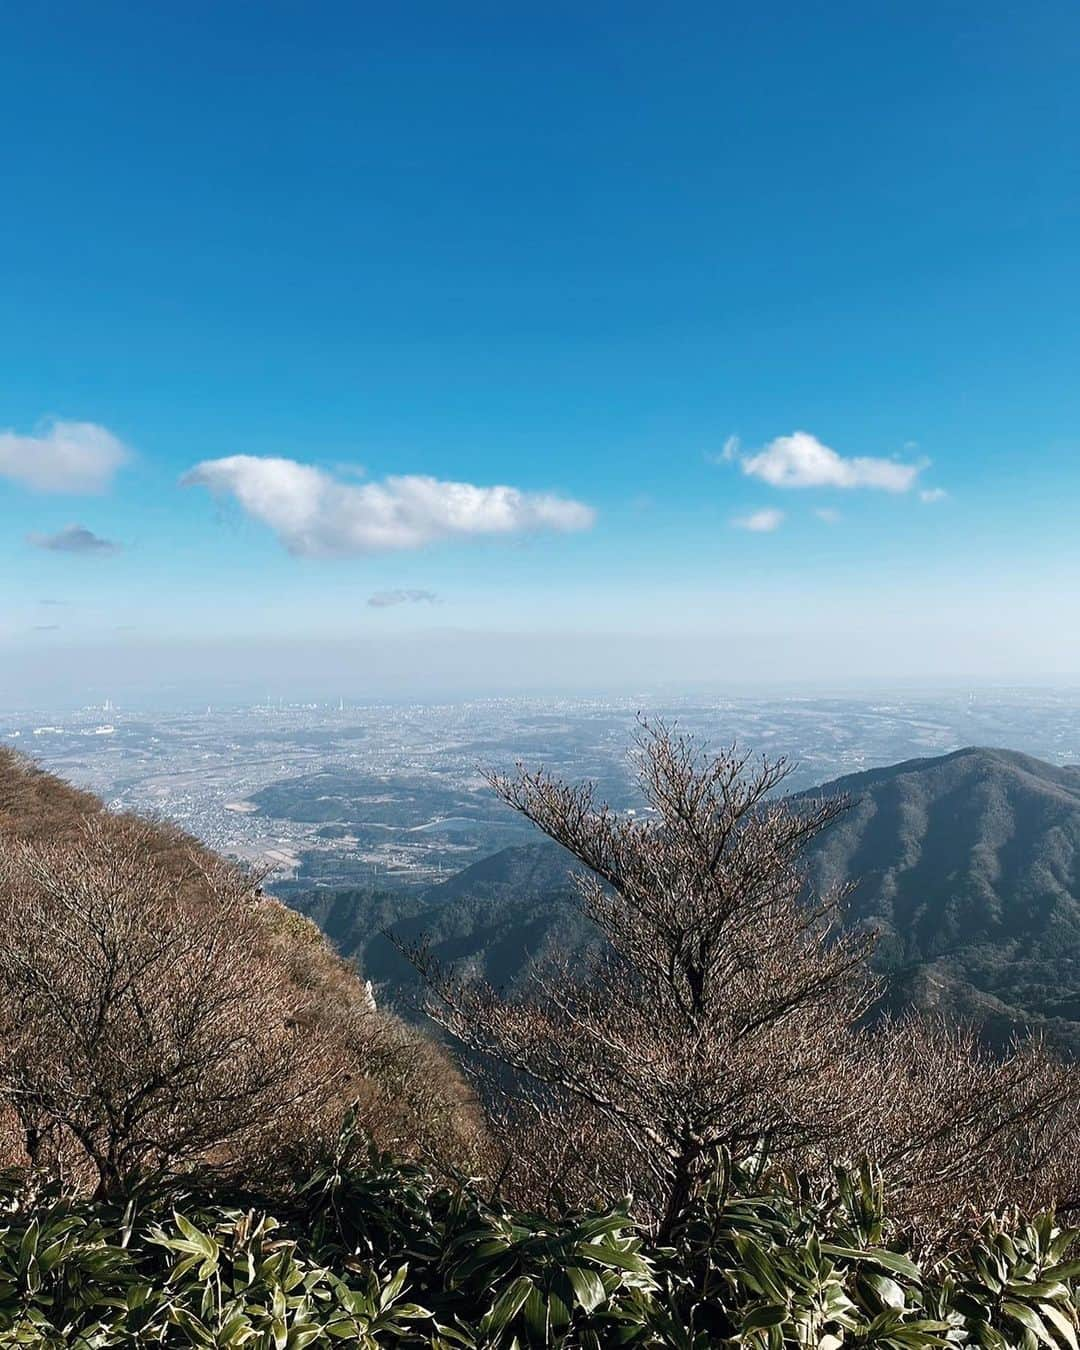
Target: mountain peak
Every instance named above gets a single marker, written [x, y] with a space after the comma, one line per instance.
[968, 866]
[967, 764]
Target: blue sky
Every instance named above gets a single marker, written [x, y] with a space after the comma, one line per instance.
[330, 252]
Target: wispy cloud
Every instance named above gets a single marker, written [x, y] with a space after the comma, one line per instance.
[316, 515]
[802, 461]
[728, 452]
[74, 457]
[760, 522]
[932, 495]
[828, 514]
[385, 599]
[46, 628]
[73, 539]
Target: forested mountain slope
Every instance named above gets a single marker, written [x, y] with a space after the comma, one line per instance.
[492, 920]
[968, 865]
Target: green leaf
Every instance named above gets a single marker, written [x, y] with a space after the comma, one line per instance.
[537, 1316]
[393, 1287]
[887, 1290]
[588, 1287]
[880, 1256]
[768, 1315]
[1029, 1319]
[612, 1256]
[507, 1306]
[1065, 1329]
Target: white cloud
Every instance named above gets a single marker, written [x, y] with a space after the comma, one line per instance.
[828, 514]
[387, 599]
[933, 495]
[802, 461]
[76, 457]
[761, 522]
[316, 515]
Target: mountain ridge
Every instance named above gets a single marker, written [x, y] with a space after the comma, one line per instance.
[966, 864]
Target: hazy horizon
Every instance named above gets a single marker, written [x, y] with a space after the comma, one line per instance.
[462, 667]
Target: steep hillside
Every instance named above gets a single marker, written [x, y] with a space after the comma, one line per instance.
[968, 865]
[37, 805]
[407, 1091]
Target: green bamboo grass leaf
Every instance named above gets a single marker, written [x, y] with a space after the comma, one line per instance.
[593, 1228]
[1063, 1327]
[588, 1287]
[537, 1316]
[507, 1306]
[453, 1336]
[200, 1241]
[893, 1262]
[1061, 1242]
[632, 1262]
[584, 1281]
[393, 1287]
[887, 1290]
[769, 1315]
[1030, 1320]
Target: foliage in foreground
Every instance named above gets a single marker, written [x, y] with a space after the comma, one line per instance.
[386, 1255]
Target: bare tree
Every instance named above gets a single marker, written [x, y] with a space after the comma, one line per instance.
[726, 1009]
[957, 1131]
[721, 1001]
[147, 1023]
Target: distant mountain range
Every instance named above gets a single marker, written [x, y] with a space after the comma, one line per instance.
[967, 865]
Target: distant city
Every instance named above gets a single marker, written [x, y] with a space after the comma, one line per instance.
[394, 795]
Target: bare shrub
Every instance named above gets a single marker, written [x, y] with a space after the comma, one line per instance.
[728, 1009]
[958, 1131]
[35, 805]
[151, 1027]
[156, 1010]
[403, 1090]
[12, 1139]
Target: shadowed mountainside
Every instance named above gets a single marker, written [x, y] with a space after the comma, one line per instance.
[968, 865]
[492, 920]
